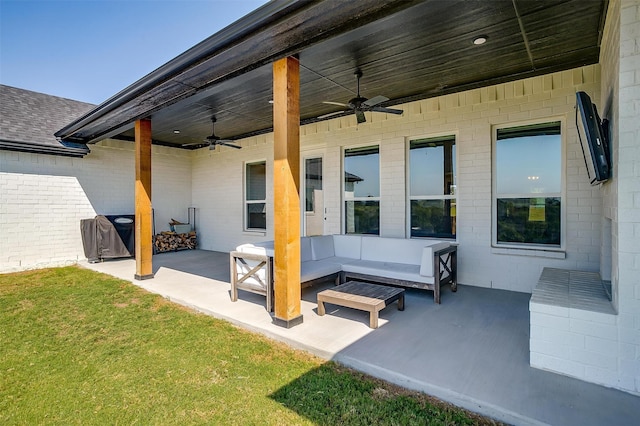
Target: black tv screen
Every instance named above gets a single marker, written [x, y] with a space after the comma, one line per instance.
[593, 139]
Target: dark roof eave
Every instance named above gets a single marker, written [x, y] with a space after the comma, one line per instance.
[64, 149]
[269, 20]
[259, 18]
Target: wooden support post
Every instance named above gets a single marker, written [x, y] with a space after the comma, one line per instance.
[144, 239]
[286, 184]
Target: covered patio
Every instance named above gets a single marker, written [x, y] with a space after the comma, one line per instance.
[472, 350]
[292, 63]
[466, 75]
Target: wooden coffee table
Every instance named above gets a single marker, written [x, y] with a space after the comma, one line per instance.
[364, 296]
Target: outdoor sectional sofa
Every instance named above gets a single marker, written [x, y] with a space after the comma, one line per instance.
[423, 264]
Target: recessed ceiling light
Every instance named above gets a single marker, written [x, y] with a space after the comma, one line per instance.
[480, 40]
[176, 132]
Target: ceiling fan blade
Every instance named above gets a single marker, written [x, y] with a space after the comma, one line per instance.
[336, 103]
[331, 114]
[360, 117]
[195, 143]
[215, 139]
[388, 110]
[375, 100]
[230, 145]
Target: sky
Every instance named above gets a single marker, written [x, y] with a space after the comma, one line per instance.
[88, 50]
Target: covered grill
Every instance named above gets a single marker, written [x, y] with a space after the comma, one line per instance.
[108, 237]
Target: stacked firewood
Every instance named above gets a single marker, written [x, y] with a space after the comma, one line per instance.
[172, 241]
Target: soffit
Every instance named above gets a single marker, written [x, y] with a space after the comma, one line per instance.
[411, 51]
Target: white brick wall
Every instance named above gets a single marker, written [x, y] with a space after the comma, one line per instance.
[43, 198]
[218, 193]
[392, 187]
[37, 218]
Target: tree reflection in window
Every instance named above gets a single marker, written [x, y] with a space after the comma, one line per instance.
[362, 190]
[432, 187]
[255, 196]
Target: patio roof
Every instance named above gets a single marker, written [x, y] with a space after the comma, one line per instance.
[407, 50]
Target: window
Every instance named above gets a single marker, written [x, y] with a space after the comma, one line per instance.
[362, 190]
[314, 197]
[432, 187]
[312, 182]
[528, 185]
[255, 196]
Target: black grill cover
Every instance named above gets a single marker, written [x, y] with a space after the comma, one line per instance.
[108, 237]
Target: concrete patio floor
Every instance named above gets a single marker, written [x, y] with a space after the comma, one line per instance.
[472, 350]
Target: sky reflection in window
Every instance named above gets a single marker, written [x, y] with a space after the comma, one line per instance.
[426, 168]
[529, 165]
[365, 164]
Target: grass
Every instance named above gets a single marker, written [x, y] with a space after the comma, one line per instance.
[78, 347]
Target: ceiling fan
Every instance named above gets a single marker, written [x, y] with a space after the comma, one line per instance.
[214, 140]
[359, 104]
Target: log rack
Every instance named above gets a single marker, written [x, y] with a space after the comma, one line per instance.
[168, 241]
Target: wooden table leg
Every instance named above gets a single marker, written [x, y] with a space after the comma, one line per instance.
[320, 307]
[373, 319]
[401, 302]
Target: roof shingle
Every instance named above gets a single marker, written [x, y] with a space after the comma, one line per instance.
[28, 121]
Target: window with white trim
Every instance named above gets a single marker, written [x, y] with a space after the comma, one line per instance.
[362, 190]
[528, 185]
[432, 187]
[255, 196]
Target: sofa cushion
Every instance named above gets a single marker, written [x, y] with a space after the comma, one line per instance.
[314, 269]
[305, 249]
[347, 246]
[426, 263]
[396, 250]
[264, 248]
[398, 271]
[322, 247]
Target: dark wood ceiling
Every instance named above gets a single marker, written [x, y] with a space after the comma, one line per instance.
[421, 51]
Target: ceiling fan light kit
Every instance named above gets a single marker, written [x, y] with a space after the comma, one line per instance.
[359, 105]
[213, 140]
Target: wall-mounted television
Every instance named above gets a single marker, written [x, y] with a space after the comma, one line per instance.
[593, 134]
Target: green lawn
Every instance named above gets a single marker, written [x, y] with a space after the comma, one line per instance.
[78, 347]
